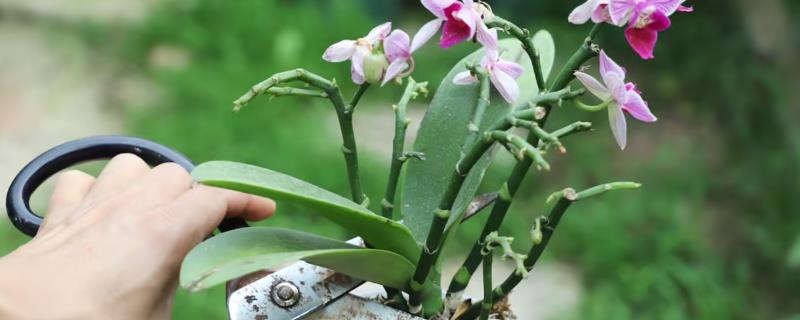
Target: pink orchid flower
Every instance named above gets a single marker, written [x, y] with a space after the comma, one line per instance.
[398, 49]
[645, 19]
[357, 50]
[596, 10]
[619, 96]
[463, 20]
[502, 73]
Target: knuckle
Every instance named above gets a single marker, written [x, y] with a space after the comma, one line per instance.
[127, 158]
[172, 169]
[72, 174]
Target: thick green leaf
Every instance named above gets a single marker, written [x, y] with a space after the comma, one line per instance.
[378, 231]
[236, 253]
[443, 132]
[543, 42]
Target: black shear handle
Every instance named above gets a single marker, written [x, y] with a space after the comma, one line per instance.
[78, 151]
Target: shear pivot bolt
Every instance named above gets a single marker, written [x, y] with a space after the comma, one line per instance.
[285, 294]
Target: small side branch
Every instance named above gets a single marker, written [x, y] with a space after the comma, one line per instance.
[264, 87]
[330, 90]
[276, 92]
[519, 147]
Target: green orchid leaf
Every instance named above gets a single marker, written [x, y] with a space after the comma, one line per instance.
[444, 131]
[378, 231]
[543, 41]
[239, 252]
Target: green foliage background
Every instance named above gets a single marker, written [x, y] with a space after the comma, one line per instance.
[710, 236]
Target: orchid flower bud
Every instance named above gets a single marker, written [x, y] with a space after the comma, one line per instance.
[375, 65]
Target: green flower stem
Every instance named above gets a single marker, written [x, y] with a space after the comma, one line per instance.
[542, 236]
[524, 37]
[343, 112]
[480, 109]
[594, 108]
[289, 91]
[585, 52]
[529, 111]
[524, 148]
[571, 129]
[537, 130]
[486, 305]
[603, 188]
[413, 89]
[357, 97]
[399, 157]
[520, 170]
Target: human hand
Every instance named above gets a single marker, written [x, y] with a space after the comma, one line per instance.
[112, 247]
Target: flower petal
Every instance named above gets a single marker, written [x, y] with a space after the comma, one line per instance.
[379, 33]
[394, 69]
[582, 13]
[357, 65]
[621, 11]
[616, 86]
[594, 86]
[601, 14]
[469, 17]
[340, 51]
[638, 108]
[668, 7]
[397, 45]
[506, 85]
[608, 67]
[464, 78]
[619, 127]
[454, 32]
[513, 69]
[425, 33]
[659, 21]
[487, 37]
[643, 41]
[437, 6]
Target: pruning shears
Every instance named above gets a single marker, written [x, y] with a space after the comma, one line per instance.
[298, 291]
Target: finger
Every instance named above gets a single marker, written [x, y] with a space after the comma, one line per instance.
[161, 185]
[196, 213]
[120, 172]
[70, 189]
[243, 205]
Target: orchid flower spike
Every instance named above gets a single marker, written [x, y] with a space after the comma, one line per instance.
[357, 50]
[596, 10]
[502, 73]
[645, 19]
[463, 20]
[617, 96]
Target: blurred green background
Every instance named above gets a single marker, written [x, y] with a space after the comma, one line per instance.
[714, 234]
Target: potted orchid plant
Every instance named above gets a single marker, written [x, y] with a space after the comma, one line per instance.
[505, 87]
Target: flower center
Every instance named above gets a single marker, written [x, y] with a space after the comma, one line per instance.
[645, 17]
[364, 43]
[484, 10]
